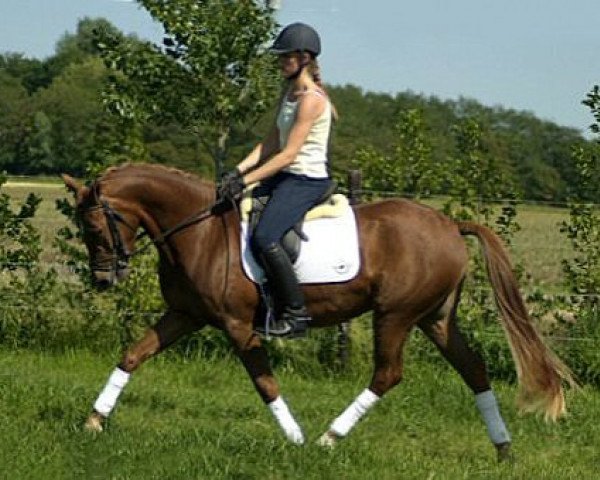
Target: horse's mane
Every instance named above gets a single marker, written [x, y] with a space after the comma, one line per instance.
[137, 170]
[153, 168]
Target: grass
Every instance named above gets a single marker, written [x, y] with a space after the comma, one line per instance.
[40, 180]
[202, 420]
[540, 246]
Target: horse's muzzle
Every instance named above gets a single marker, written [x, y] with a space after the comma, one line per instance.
[102, 284]
[102, 279]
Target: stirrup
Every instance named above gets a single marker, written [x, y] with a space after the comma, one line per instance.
[292, 323]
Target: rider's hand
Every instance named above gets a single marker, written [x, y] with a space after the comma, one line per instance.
[231, 186]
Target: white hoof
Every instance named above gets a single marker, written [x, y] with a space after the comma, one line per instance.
[328, 440]
[94, 424]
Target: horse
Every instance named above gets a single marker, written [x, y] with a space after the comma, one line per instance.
[413, 265]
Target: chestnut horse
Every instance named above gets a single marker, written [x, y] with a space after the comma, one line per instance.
[413, 263]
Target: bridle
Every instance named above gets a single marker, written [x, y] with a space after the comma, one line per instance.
[118, 259]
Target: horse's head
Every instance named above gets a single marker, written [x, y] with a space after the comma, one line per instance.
[108, 234]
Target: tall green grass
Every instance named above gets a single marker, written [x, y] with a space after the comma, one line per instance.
[199, 419]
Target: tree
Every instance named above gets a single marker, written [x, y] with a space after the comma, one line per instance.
[409, 168]
[38, 149]
[583, 227]
[83, 132]
[15, 114]
[210, 75]
[30, 72]
[476, 178]
[76, 48]
[377, 170]
[413, 153]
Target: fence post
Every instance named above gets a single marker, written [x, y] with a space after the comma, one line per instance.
[354, 188]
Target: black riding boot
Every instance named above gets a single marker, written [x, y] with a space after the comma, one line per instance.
[292, 317]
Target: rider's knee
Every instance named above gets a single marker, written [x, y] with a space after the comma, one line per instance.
[260, 242]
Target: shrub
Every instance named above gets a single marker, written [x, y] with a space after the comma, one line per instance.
[24, 284]
[583, 272]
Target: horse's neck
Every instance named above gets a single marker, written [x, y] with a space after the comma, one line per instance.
[164, 200]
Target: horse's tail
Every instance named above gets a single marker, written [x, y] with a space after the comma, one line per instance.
[539, 370]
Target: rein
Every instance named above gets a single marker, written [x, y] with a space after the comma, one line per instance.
[162, 238]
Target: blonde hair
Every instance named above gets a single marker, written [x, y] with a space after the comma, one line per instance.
[315, 71]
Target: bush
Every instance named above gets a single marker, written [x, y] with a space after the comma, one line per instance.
[576, 338]
[583, 272]
[24, 285]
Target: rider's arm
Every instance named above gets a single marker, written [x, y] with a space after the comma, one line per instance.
[268, 147]
[309, 109]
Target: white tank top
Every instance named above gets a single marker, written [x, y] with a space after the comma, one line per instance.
[312, 157]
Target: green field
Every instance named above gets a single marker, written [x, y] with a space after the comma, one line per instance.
[201, 419]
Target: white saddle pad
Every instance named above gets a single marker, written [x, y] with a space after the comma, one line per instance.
[330, 255]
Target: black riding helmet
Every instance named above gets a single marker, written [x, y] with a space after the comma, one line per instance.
[297, 37]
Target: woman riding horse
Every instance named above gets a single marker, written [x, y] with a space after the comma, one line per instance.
[291, 163]
[413, 264]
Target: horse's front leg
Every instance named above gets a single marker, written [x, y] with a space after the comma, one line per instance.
[167, 330]
[253, 355]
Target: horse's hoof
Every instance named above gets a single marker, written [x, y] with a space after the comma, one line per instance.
[504, 452]
[94, 423]
[295, 436]
[328, 439]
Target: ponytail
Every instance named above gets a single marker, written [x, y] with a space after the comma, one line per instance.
[315, 70]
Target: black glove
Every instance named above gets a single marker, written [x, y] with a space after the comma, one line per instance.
[232, 185]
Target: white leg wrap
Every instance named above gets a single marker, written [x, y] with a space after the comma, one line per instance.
[488, 407]
[344, 423]
[286, 421]
[109, 395]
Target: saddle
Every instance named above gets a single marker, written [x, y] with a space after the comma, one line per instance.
[329, 204]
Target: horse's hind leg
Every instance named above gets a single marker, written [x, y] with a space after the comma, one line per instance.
[168, 329]
[442, 329]
[390, 333]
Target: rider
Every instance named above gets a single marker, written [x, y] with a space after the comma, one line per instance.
[291, 164]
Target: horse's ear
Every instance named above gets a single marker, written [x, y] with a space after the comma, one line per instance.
[72, 185]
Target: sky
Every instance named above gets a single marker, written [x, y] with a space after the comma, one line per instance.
[539, 56]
